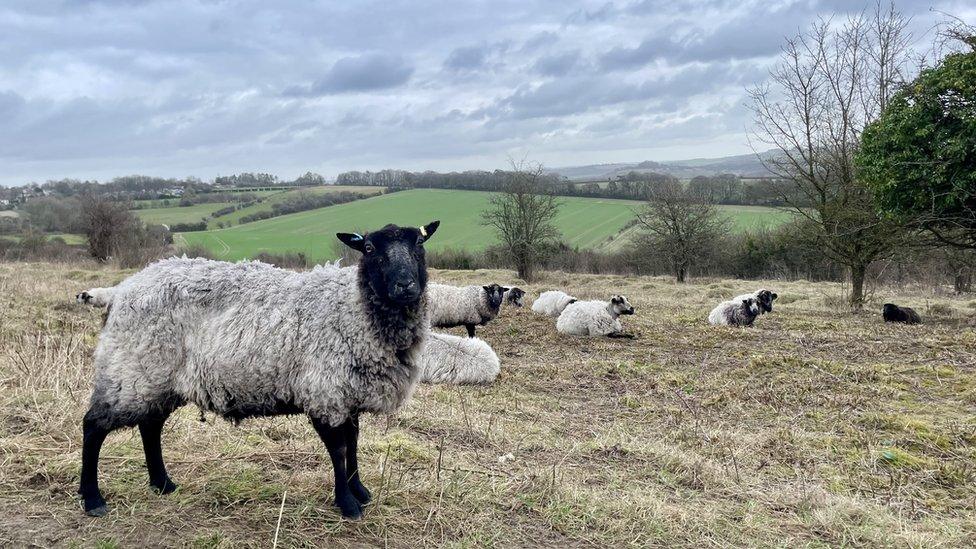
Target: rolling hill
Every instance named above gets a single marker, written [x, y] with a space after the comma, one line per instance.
[584, 222]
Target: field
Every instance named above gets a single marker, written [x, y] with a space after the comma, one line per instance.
[312, 232]
[181, 214]
[815, 427]
[234, 218]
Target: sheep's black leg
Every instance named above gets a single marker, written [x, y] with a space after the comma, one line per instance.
[620, 335]
[352, 460]
[94, 436]
[151, 430]
[470, 328]
[335, 441]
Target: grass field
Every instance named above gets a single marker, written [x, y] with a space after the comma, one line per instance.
[184, 214]
[584, 222]
[175, 202]
[234, 218]
[813, 428]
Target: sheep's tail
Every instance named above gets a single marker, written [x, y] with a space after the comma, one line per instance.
[459, 360]
[97, 297]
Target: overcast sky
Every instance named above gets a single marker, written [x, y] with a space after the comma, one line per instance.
[95, 89]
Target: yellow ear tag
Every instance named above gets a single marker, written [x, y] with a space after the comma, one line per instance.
[423, 231]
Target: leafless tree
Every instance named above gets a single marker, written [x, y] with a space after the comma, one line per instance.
[681, 223]
[522, 214]
[829, 84]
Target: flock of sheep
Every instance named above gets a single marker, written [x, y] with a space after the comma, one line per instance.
[247, 339]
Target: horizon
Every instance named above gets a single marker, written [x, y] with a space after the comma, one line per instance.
[192, 88]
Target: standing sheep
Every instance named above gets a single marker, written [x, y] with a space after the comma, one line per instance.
[460, 360]
[96, 297]
[248, 339]
[467, 306]
[735, 312]
[552, 303]
[894, 313]
[764, 299]
[595, 318]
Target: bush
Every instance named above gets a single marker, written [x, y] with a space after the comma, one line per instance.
[196, 250]
[303, 201]
[188, 227]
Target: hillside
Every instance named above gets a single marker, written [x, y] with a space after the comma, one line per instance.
[745, 165]
[584, 222]
[814, 428]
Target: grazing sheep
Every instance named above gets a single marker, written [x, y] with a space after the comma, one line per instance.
[467, 306]
[595, 318]
[515, 297]
[248, 339]
[894, 313]
[735, 312]
[552, 303]
[96, 297]
[460, 360]
[764, 299]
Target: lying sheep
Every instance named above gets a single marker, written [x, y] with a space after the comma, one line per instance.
[894, 313]
[467, 306]
[96, 297]
[248, 339]
[460, 360]
[764, 299]
[735, 312]
[552, 303]
[515, 297]
[595, 318]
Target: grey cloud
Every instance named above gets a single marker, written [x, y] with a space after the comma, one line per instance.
[557, 64]
[466, 58]
[361, 73]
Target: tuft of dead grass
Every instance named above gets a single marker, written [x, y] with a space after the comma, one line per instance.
[815, 427]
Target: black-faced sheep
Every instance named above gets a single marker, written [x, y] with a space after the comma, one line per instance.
[764, 299]
[595, 318]
[96, 297]
[894, 313]
[552, 303]
[248, 339]
[735, 312]
[515, 297]
[467, 306]
[459, 360]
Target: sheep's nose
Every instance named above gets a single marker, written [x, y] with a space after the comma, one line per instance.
[403, 286]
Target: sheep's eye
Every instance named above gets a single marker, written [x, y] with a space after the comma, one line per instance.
[369, 248]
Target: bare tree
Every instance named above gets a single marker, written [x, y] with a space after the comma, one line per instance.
[829, 84]
[522, 215]
[681, 223]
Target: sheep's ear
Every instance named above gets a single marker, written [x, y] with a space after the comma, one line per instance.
[774, 296]
[429, 229]
[504, 289]
[353, 240]
[487, 289]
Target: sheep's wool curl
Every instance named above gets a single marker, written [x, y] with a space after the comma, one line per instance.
[460, 360]
[551, 303]
[242, 339]
[590, 318]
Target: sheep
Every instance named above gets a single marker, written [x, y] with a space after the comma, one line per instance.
[460, 360]
[595, 318]
[248, 339]
[515, 297]
[764, 299]
[894, 313]
[552, 303]
[467, 306]
[96, 297]
[735, 312]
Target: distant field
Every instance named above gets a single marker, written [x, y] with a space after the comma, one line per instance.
[584, 222]
[185, 214]
[234, 218]
[175, 202]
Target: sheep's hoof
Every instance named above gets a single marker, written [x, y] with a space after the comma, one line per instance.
[99, 511]
[165, 487]
[350, 508]
[361, 493]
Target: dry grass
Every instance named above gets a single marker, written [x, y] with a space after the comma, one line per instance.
[816, 427]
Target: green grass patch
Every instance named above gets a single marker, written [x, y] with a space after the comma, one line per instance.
[185, 214]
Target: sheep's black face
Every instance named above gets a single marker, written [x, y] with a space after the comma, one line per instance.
[516, 296]
[394, 263]
[750, 306]
[765, 300]
[890, 312]
[495, 295]
[621, 305]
